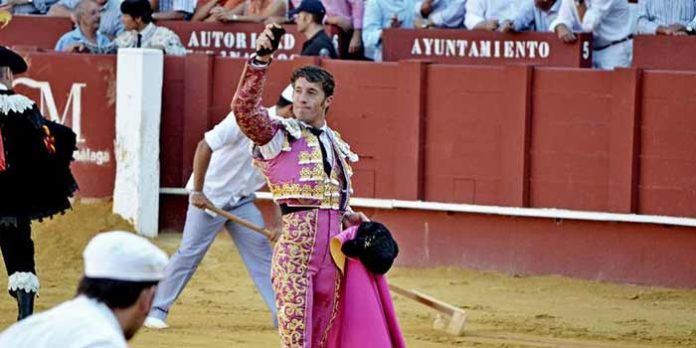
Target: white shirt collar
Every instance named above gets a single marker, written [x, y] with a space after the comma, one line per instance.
[323, 128]
[104, 310]
[272, 112]
[149, 28]
[3, 87]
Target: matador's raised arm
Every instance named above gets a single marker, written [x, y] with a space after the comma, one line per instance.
[253, 118]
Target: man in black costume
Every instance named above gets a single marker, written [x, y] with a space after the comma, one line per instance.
[35, 179]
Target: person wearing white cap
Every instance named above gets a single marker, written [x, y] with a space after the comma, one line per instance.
[113, 298]
[223, 176]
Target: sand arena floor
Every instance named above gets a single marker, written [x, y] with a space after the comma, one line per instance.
[220, 307]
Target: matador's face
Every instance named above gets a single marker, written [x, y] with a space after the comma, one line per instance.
[309, 102]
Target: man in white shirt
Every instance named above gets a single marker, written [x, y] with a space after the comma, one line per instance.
[141, 32]
[223, 176]
[488, 14]
[607, 20]
[113, 298]
[440, 13]
[533, 15]
[382, 14]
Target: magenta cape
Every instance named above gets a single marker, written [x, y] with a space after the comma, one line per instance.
[366, 316]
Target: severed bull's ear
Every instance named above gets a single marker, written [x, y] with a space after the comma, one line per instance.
[353, 248]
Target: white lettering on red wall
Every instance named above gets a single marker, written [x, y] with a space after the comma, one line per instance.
[234, 44]
[47, 106]
[523, 49]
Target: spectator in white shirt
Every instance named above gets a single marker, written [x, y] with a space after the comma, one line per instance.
[533, 15]
[488, 14]
[440, 13]
[382, 14]
[113, 298]
[608, 22]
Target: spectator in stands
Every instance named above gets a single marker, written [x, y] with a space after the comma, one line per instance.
[85, 37]
[533, 15]
[141, 32]
[204, 8]
[310, 15]
[608, 22]
[440, 13]
[665, 17]
[26, 6]
[381, 14]
[173, 9]
[488, 14]
[110, 23]
[255, 11]
[113, 298]
[344, 22]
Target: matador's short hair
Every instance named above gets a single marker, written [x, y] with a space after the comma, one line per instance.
[315, 74]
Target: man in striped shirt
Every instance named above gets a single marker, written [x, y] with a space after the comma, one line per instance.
[173, 9]
[665, 17]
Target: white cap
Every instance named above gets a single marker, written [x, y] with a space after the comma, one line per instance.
[120, 255]
[287, 93]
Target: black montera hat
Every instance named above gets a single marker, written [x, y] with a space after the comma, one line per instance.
[374, 246]
[136, 8]
[12, 60]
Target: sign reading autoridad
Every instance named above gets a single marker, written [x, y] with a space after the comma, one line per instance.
[485, 48]
[236, 40]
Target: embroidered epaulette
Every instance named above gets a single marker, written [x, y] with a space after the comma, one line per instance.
[344, 147]
[125, 39]
[291, 126]
[14, 103]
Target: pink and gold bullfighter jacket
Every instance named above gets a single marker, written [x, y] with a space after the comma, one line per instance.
[296, 176]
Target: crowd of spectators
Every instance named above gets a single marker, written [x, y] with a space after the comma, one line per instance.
[354, 27]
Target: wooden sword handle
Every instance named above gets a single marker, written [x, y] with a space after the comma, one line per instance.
[419, 297]
[271, 235]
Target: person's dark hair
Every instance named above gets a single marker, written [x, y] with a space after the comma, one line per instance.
[315, 74]
[113, 293]
[317, 18]
[282, 102]
[137, 9]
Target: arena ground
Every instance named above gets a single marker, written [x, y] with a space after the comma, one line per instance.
[220, 308]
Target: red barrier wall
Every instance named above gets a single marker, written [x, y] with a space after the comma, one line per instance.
[569, 154]
[471, 134]
[38, 31]
[667, 161]
[618, 252]
[517, 136]
[664, 52]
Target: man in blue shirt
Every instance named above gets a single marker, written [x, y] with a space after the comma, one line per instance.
[665, 17]
[440, 13]
[85, 37]
[381, 14]
[110, 18]
[26, 6]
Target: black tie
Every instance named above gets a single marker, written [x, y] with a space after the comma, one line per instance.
[137, 45]
[327, 166]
